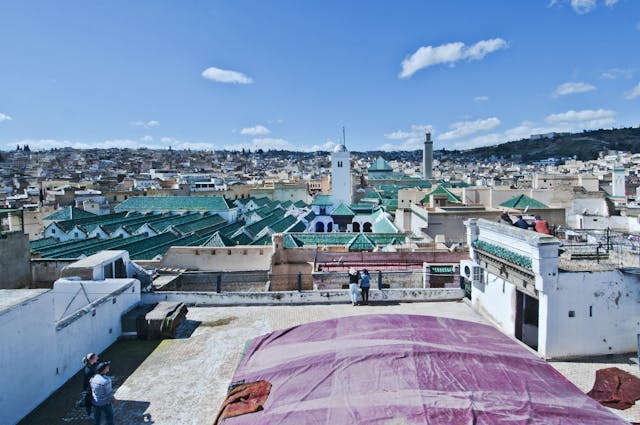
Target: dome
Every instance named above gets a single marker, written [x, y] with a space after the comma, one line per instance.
[340, 148]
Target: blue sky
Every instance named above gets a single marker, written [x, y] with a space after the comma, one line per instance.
[290, 74]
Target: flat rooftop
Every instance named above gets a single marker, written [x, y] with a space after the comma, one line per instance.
[12, 297]
[184, 380]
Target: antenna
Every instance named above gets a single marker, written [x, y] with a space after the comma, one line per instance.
[344, 139]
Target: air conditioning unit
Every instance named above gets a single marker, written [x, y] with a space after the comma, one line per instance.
[471, 271]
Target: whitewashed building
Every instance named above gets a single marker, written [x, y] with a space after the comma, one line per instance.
[561, 307]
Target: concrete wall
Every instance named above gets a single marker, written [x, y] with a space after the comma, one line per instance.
[395, 279]
[40, 353]
[606, 312]
[304, 297]
[241, 258]
[45, 272]
[15, 268]
[229, 282]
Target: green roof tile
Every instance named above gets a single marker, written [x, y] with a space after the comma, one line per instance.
[380, 165]
[361, 243]
[174, 203]
[68, 213]
[322, 200]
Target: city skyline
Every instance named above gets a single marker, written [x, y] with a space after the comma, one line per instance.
[289, 75]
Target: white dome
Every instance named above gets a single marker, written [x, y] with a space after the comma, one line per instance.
[340, 148]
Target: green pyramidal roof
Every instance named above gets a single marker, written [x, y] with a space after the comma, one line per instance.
[521, 202]
[322, 200]
[380, 165]
[343, 210]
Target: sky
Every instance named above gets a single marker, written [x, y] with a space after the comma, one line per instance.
[239, 74]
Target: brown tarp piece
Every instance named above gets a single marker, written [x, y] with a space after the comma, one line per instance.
[615, 388]
[243, 399]
[164, 319]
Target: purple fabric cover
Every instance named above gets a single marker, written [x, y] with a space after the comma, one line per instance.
[408, 369]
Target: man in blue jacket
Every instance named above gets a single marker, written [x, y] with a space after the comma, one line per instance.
[102, 394]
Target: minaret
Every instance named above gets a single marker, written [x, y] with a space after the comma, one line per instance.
[341, 174]
[427, 158]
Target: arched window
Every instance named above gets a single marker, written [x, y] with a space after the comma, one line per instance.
[329, 227]
[366, 227]
[319, 227]
[356, 226]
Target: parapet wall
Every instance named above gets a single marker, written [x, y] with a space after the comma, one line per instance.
[215, 259]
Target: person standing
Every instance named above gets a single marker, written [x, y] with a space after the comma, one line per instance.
[522, 223]
[353, 285]
[365, 284]
[102, 394]
[542, 226]
[90, 362]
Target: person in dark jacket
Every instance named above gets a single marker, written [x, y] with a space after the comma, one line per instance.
[90, 362]
[522, 223]
[365, 284]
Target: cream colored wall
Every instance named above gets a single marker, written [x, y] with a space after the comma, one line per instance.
[240, 258]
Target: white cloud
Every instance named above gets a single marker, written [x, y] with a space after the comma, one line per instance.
[409, 140]
[326, 146]
[146, 124]
[226, 76]
[572, 88]
[146, 138]
[570, 121]
[582, 120]
[583, 6]
[4, 117]
[615, 73]
[467, 128]
[635, 93]
[481, 99]
[610, 3]
[258, 130]
[449, 53]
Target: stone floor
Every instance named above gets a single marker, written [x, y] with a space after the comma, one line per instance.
[184, 380]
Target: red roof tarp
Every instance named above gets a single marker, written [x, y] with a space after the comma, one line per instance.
[408, 369]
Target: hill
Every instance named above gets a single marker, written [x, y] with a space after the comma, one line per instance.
[584, 146]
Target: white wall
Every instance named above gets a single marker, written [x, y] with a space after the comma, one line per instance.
[41, 353]
[496, 299]
[614, 322]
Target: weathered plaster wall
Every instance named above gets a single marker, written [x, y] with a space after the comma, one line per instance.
[15, 268]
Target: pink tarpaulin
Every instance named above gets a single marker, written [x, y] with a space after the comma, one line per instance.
[407, 369]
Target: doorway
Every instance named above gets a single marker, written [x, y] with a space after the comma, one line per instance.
[527, 319]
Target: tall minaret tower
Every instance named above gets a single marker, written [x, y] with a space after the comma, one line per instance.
[427, 158]
[341, 174]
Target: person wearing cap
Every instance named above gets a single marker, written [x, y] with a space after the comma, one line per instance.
[90, 362]
[102, 394]
[354, 277]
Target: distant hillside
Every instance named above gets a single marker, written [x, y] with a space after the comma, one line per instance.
[585, 146]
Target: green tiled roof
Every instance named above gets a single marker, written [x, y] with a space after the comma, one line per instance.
[362, 207]
[41, 243]
[219, 240]
[300, 204]
[265, 240]
[283, 224]
[67, 225]
[380, 165]
[262, 201]
[503, 253]
[322, 200]
[298, 227]
[95, 246]
[201, 223]
[242, 239]
[390, 204]
[174, 203]
[442, 191]
[343, 210]
[68, 213]
[361, 243]
[175, 220]
[296, 240]
[521, 202]
[161, 248]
